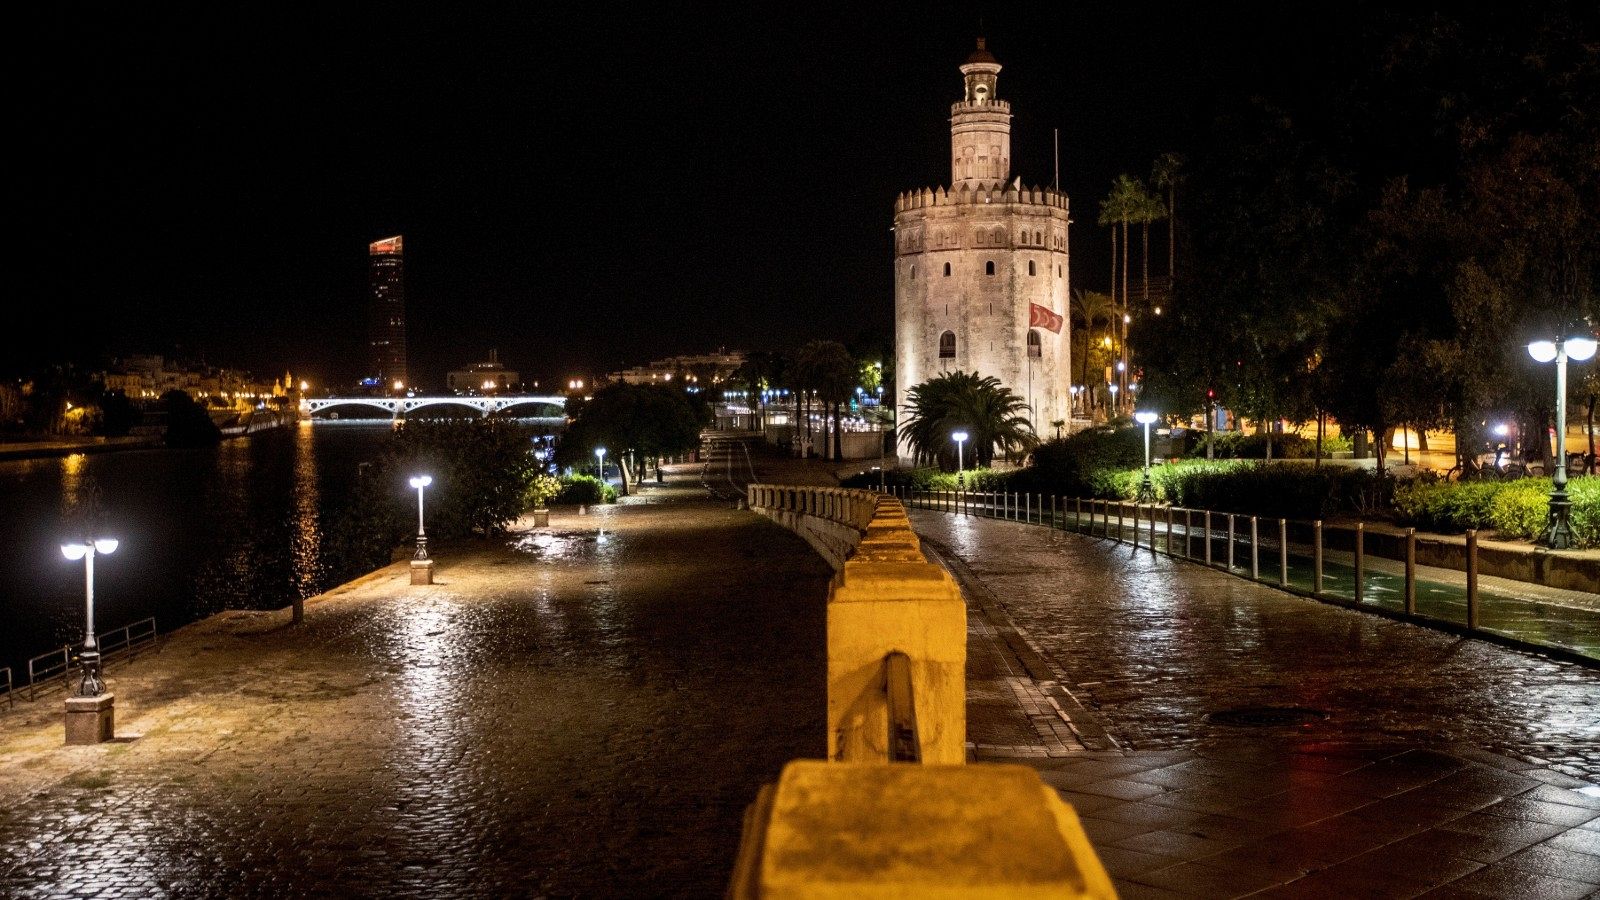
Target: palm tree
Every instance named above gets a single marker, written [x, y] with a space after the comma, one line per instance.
[980, 405]
[833, 374]
[1094, 307]
[1120, 207]
[1147, 208]
[1165, 175]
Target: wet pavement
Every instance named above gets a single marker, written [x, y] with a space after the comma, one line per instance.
[583, 710]
[1221, 738]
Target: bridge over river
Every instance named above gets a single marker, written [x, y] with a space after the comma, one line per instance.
[526, 405]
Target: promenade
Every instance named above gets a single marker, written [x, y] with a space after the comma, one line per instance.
[587, 709]
[1221, 738]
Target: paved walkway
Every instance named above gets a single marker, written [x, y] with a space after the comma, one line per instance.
[583, 710]
[1224, 739]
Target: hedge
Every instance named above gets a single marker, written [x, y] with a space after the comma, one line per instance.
[1513, 509]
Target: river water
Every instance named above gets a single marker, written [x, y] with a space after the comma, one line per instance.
[244, 525]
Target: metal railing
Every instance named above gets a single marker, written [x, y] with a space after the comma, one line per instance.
[10, 693]
[48, 668]
[1296, 557]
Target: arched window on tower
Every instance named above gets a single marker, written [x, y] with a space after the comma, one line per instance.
[988, 267]
[1038, 237]
[1035, 349]
[947, 270]
[1030, 268]
[947, 345]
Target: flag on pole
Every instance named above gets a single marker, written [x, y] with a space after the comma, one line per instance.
[1040, 317]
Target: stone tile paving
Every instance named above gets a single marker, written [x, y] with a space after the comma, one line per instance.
[1444, 767]
[579, 711]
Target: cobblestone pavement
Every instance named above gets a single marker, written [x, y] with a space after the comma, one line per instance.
[1392, 761]
[583, 710]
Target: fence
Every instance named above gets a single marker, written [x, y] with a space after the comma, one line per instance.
[48, 668]
[10, 693]
[1346, 565]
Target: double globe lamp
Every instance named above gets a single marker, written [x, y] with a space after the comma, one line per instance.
[1558, 525]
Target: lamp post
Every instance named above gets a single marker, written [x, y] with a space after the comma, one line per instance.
[91, 685]
[419, 482]
[1116, 408]
[421, 565]
[960, 437]
[90, 709]
[600, 464]
[1147, 491]
[1558, 527]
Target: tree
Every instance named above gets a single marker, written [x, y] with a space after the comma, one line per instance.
[830, 371]
[188, 424]
[1166, 174]
[991, 415]
[635, 423]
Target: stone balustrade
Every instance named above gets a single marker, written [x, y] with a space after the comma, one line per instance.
[859, 824]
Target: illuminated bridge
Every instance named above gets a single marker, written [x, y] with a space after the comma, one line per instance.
[525, 405]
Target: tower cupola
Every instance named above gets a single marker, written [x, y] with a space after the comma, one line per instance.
[980, 125]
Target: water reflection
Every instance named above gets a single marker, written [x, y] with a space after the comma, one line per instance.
[307, 547]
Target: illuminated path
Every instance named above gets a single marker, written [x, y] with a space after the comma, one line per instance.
[1221, 738]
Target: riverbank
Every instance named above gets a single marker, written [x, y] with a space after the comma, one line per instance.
[67, 446]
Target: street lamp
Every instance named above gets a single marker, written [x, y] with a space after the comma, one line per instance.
[419, 482]
[1558, 527]
[91, 685]
[960, 437]
[1147, 491]
[600, 463]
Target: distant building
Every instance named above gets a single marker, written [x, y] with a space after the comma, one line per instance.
[146, 378]
[483, 377]
[386, 315]
[703, 370]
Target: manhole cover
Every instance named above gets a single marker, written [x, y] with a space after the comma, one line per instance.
[1266, 716]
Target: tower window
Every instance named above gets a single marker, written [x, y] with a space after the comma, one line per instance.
[913, 271]
[1030, 268]
[1038, 237]
[947, 270]
[947, 345]
[1035, 349]
[988, 267]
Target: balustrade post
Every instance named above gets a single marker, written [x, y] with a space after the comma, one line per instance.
[1316, 558]
[1472, 578]
[1283, 553]
[1169, 531]
[1230, 542]
[1361, 561]
[1205, 535]
[1411, 571]
[1255, 551]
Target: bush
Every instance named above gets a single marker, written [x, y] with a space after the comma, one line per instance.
[1514, 509]
[1278, 491]
[541, 490]
[1068, 466]
[1239, 445]
[586, 489]
[972, 480]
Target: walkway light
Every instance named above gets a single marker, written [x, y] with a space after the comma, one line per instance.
[419, 482]
[92, 685]
[600, 464]
[960, 437]
[1147, 491]
[1558, 526]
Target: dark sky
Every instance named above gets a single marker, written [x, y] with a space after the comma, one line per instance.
[581, 190]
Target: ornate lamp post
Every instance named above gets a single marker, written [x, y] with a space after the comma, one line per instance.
[421, 565]
[1147, 491]
[600, 464]
[960, 437]
[1558, 527]
[90, 708]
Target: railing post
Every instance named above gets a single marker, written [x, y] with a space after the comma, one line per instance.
[1122, 514]
[1411, 571]
[1188, 533]
[1077, 514]
[1472, 579]
[1361, 561]
[1053, 504]
[1027, 510]
[1169, 531]
[1283, 553]
[1205, 535]
[1255, 554]
[1136, 511]
[1316, 559]
[1230, 542]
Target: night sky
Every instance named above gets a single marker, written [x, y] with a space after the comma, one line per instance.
[582, 189]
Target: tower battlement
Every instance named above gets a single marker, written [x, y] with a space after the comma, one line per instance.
[1014, 193]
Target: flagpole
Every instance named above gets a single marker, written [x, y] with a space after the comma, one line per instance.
[1057, 141]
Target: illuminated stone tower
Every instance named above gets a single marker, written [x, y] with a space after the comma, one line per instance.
[386, 315]
[981, 267]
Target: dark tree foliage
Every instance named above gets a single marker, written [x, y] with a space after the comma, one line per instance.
[188, 423]
[1382, 246]
[118, 414]
[991, 415]
[635, 423]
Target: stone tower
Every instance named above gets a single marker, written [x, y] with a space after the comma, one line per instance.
[981, 273]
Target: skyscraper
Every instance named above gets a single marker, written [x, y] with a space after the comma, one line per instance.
[386, 315]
